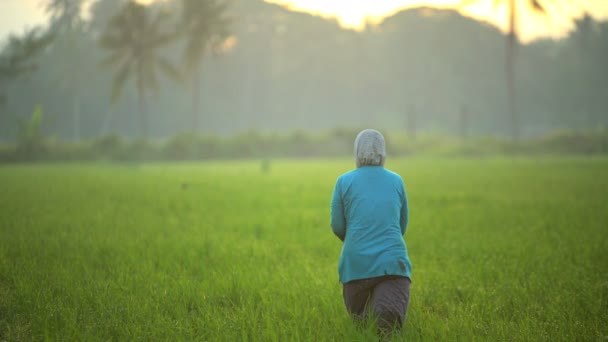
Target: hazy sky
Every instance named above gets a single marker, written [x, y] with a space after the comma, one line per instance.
[352, 13]
[16, 15]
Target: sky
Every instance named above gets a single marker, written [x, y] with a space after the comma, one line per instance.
[17, 15]
[353, 13]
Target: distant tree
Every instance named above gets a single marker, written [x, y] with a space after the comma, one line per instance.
[67, 24]
[18, 55]
[586, 44]
[303, 65]
[512, 41]
[204, 26]
[101, 11]
[133, 39]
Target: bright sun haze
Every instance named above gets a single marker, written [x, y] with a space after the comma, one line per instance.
[354, 13]
[17, 14]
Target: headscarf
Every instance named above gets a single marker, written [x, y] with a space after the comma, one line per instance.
[370, 148]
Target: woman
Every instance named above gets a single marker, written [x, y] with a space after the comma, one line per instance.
[369, 213]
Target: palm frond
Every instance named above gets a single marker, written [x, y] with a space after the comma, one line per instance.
[124, 72]
[169, 70]
[113, 41]
[205, 24]
[194, 51]
[537, 6]
[149, 75]
[115, 58]
[161, 39]
[20, 52]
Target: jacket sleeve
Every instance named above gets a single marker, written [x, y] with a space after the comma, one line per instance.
[404, 210]
[338, 222]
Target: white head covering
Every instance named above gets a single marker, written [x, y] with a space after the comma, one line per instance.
[370, 148]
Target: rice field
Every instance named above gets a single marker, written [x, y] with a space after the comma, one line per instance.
[502, 249]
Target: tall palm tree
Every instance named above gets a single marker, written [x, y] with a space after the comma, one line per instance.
[512, 40]
[205, 25]
[133, 39]
[67, 24]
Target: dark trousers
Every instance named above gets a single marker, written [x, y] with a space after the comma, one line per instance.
[386, 298]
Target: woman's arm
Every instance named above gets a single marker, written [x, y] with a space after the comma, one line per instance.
[338, 222]
[404, 210]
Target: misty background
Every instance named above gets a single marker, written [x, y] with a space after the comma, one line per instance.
[421, 70]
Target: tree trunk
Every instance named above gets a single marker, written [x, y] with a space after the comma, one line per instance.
[411, 122]
[142, 113]
[142, 103]
[196, 99]
[76, 117]
[464, 122]
[107, 122]
[510, 70]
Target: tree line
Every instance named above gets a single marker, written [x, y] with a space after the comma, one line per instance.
[215, 68]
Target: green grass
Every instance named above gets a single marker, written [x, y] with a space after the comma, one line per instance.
[503, 249]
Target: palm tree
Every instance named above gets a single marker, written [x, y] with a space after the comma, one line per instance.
[205, 26]
[585, 37]
[67, 24]
[16, 57]
[512, 40]
[133, 38]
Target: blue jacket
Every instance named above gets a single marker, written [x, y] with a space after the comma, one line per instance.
[369, 212]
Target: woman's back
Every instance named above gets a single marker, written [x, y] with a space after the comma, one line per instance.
[374, 216]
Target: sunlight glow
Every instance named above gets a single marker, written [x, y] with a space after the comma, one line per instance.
[355, 13]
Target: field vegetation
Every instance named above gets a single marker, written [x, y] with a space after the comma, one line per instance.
[502, 249]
